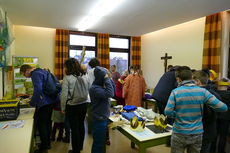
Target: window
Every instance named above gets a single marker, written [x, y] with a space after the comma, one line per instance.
[77, 54]
[76, 42]
[80, 40]
[119, 43]
[119, 52]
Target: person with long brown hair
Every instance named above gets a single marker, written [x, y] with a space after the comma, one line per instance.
[75, 110]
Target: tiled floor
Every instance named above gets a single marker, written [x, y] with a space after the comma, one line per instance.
[119, 144]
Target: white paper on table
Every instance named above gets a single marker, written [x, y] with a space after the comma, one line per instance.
[12, 124]
[142, 135]
[26, 111]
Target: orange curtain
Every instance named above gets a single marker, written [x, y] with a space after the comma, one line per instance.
[61, 52]
[103, 50]
[212, 42]
[136, 51]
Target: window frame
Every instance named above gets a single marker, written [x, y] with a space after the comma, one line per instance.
[79, 47]
[228, 73]
[122, 50]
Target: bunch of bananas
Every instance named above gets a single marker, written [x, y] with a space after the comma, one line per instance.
[136, 125]
[160, 121]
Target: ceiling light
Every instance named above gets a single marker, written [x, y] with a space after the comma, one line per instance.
[102, 8]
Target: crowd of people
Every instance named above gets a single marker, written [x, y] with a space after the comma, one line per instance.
[195, 105]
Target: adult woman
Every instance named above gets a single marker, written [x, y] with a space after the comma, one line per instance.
[75, 110]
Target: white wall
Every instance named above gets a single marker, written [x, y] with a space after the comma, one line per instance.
[36, 41]
[184, 42]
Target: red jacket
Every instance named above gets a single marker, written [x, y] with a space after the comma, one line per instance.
[119, 85]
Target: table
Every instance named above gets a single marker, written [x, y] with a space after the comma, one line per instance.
[113, 102]
[26, 113]
[149, 139]
[18, 140]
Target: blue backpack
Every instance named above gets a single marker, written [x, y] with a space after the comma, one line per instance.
[51, 86]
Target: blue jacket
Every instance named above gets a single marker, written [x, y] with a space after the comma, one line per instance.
[164, 87]
[39, 99]
[186, 105]
[99, 95]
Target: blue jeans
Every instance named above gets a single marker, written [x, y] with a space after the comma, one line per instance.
[67, 127]
[99, 130]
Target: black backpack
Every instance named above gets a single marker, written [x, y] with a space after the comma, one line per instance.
[51, 86]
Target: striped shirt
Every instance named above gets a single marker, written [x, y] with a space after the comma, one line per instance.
[185, 104]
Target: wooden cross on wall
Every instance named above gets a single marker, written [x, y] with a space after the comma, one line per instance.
[165, 58]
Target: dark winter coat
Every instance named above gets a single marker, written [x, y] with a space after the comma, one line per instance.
[209, 117]
[101, 90]
[164, 86]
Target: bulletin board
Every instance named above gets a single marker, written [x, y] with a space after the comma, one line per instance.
[21, 84]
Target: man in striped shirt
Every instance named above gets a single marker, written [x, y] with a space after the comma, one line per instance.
[185, 104]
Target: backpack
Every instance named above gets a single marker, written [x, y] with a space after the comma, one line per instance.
[81, 89]
[51, 87]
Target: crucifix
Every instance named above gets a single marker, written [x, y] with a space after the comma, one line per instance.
[165, 58]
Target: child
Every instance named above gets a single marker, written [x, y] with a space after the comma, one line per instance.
[119, 88]
[134, 88]
[209, 115]
[211, 78]
[58, 119]
[223, 118]
[100, 92]
[185, 104]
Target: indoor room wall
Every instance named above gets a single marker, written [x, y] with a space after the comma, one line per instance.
[184, 42]
[36, 41]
